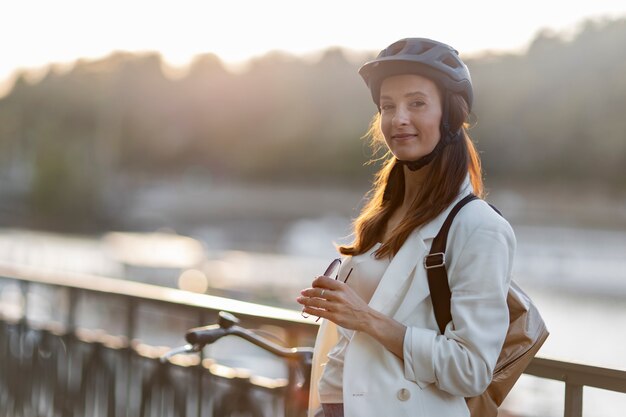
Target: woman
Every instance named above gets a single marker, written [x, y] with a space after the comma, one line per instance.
[379, 351]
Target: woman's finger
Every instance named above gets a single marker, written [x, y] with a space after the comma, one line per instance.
[325, 314]
[318, 293]
[315, 302]
[326, 282]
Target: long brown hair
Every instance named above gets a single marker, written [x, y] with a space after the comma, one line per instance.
[447, 173]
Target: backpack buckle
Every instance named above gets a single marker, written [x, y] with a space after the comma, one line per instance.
[434, 260]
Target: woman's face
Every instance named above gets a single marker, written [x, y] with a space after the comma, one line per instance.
[410, 115]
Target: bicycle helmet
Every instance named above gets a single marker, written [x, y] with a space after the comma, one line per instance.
[422, 56]
[434, 60]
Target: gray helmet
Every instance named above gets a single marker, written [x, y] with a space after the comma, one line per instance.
[432, 59]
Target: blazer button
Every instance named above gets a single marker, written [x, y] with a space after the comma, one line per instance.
[404, 394]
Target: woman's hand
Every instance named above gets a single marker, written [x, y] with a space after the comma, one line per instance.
[335, 301]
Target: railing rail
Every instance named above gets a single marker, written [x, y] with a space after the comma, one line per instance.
[108, 354]
[138, 291]
[576, 376]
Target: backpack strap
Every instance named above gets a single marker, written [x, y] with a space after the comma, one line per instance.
[435, 264]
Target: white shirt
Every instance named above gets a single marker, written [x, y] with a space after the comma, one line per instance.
[367, 272]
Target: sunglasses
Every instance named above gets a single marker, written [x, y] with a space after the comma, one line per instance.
[327, 273]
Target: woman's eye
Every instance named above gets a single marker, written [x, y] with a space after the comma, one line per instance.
[386, 107]
[417, 103]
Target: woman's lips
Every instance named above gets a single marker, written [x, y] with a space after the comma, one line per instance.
[403, 136]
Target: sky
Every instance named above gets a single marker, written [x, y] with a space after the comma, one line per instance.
[35, 33]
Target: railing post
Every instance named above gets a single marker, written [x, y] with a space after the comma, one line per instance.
[69, 337]
[70, 324]
[131, 323]
[573, 400]
[199, 369]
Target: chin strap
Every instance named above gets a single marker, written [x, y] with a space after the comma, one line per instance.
[447, 137]
[427, 159]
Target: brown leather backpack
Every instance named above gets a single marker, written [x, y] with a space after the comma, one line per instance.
[527, 330]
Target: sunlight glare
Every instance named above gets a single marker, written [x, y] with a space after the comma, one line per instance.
[65, 30]
[193, 280]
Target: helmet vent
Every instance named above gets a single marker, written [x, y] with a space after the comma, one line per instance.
[396, 48]
[451, 62]
[422, 47]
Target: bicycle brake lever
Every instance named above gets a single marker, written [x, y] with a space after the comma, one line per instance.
[188, 348]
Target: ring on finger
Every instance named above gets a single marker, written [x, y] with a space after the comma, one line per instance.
[322, 293]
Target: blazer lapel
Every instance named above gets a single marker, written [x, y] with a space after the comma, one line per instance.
[396, 277]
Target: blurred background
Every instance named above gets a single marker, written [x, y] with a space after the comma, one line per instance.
[220, 150]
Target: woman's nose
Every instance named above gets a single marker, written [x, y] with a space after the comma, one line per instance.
[401, 117]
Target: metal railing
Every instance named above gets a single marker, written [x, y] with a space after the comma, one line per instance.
[576, 377]
[59, 363]
[80, 345]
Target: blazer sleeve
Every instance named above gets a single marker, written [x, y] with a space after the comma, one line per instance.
[461, 362]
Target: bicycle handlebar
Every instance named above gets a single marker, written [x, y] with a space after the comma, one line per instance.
[227, 325]
[203, 336]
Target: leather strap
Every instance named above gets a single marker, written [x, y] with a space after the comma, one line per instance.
[435, 266]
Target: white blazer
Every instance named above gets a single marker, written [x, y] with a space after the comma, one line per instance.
[438, 371]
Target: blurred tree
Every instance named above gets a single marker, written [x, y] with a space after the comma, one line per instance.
[553, 113]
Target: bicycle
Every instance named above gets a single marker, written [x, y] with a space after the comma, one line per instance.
[238, 401]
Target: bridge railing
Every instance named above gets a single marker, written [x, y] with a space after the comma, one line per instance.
[80, 345]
